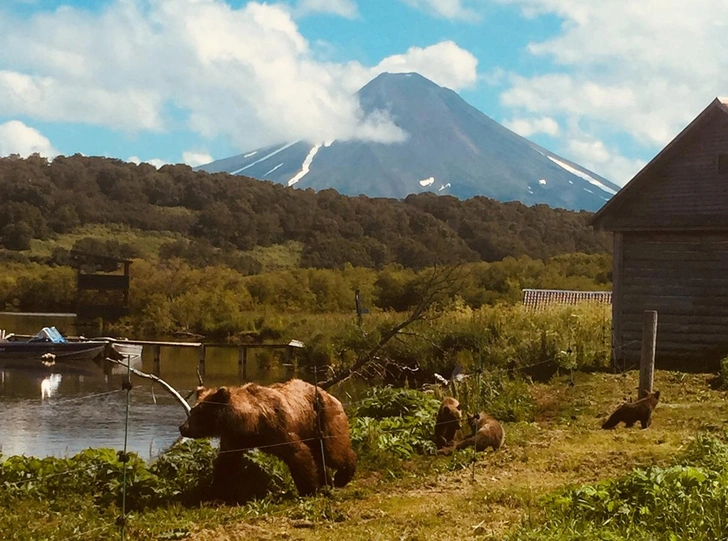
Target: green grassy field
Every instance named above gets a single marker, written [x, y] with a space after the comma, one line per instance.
[439, 498]
[148, 244]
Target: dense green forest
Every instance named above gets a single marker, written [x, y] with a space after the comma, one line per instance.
[222, 219]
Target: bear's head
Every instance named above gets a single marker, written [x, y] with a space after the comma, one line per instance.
[452, 406]
[206, 417]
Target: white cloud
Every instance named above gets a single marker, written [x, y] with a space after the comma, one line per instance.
[344, 8]
[645, 69]
[526, 127]
[156, 162]
[445, 63]
[246, 74]
[17, 138]
[52, 99]
[447, 9]
[193, 158]
[590, 152]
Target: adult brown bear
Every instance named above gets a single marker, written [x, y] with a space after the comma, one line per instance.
[487, 432]
[631, 412]
[447, 422]
[288, 420]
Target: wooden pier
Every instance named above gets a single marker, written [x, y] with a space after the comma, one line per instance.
[157, 346]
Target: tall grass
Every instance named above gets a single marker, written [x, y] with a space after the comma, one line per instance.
[502, 337]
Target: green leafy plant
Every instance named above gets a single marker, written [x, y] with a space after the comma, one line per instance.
[393, 423]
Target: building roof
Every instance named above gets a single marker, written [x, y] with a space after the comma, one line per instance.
[718, 105]
[540, 299]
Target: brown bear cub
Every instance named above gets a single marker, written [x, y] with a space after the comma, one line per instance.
[487, 432]
[631, 412]
[447, 422]
[288, 420]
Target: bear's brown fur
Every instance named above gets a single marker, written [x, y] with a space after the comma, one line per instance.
[447, 422]
[631, 412]
[281, 420]
[487, 432]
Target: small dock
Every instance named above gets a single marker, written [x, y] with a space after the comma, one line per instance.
[203, 347]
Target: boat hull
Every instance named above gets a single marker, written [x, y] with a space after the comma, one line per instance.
[69, 357]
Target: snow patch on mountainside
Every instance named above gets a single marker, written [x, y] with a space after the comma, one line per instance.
[284, 147]
[276, 167]
[588, 178]
[306, 166]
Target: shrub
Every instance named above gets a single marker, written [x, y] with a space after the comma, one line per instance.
[393, 423]
[183, 474]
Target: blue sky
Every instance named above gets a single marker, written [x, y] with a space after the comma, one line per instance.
[604, 84]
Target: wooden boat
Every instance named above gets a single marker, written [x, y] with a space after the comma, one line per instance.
[49, 351]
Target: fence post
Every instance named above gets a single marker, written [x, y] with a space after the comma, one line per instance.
[201, 363]
[647, 359]
[156, 367]
[357, 301]
[242, 362]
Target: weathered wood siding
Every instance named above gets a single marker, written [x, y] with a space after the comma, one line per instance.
[684, 276]
[682, 191]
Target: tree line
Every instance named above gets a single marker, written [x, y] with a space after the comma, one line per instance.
[220, 218]
[170, 295]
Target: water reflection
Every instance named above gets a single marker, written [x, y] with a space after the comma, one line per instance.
[49, 385]
[44, 414]
[75, 412]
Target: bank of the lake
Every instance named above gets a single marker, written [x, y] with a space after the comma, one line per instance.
[500, 494]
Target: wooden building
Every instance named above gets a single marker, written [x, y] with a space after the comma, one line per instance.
[670, 225]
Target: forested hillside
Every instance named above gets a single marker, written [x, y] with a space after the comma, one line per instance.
[224, 219]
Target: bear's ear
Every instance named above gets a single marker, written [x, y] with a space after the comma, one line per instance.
[221, 396]
[657, 395]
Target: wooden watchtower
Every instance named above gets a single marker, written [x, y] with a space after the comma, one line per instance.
[102, 287]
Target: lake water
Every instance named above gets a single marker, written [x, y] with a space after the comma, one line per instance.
[59, 415]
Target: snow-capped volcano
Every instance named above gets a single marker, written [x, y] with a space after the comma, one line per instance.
[451, 148]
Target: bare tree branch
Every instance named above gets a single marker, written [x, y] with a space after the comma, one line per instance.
[193, 391]
[437, 287]
[171, 390]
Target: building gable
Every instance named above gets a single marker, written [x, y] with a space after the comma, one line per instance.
[685, 187]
